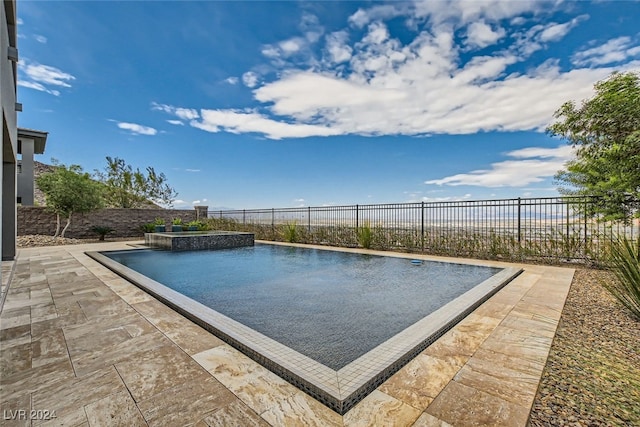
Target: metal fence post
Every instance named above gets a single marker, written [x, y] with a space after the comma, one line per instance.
[357, 217]
[422, 226]
[309, 219]
[519, 219]
[244, 216]
[567, 204]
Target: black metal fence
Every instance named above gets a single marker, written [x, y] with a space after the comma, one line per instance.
[554, 229]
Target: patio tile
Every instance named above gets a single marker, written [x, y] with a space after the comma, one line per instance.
[10, 318]
[507, 384]
[131, 294]
[69, 417]
[428, 420]
[380, 409]
[15, 359]
[67, 315]
[15, 336]
[186, 334]
[235, 413]
[32, 380]
[300, 409]
[267, 394]
[43, 312]
[90, 335]
[151, 372]
[542, 326]
[15, 410]
[422, 379]
[523, 344]
[465, 338]
[114, 409]
[68, 398]
[466, 406]
[98, 358]
[516, 363]
[105, 307]
[188, 403]
[48, 347]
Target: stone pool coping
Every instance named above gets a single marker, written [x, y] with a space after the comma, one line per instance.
[80, 339]
[340, 389]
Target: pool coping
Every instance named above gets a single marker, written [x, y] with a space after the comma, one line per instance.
[339, 390]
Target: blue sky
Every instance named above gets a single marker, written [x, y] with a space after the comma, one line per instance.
[257, 104]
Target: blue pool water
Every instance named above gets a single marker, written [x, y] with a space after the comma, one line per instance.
[330, 306]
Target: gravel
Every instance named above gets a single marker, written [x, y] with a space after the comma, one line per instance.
[592, 375]
[36, 240]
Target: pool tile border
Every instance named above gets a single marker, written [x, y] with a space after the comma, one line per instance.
[339, 390]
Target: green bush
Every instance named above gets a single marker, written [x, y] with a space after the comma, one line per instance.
[102, 231]
[365, 235]
[625, 263]
[290, 230]
[149, 227]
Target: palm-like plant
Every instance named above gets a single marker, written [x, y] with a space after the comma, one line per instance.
[625, 263]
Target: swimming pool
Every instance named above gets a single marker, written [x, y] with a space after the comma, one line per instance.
[336, 324]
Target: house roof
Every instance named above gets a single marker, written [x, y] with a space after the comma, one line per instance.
[39, 138]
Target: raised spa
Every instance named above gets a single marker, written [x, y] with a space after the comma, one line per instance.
[334, 323]
[198, 240]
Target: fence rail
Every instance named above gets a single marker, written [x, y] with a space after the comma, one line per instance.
[553, 229]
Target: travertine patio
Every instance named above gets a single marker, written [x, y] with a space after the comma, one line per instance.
[83, 342]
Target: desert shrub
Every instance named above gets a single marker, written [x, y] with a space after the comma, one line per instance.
[625, 262]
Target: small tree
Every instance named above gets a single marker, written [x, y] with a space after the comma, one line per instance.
[606, 131]
[128, 188]
[69, 190]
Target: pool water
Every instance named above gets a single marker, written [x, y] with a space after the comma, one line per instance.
[330, 306]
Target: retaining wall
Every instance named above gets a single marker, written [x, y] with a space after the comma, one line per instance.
[125, 222]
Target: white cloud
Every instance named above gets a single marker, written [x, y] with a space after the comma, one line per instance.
[250, 79]
[181, 113]
[337, 47]
[480, 35]
[460, 13]
[615, 50]
[245, 122]
[291, 46]
[37, 86]
[376, 84]
[19, 21]
[40, 39]
[176, 122]
[41, 77]
[534, 164]
[232, 80]
[447, 199]
[192, 170]
[137, 129]
[270, 51]
[363, 17]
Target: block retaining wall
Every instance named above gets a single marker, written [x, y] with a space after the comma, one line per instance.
[125, 222]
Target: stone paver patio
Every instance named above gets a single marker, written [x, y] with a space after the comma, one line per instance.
[83, 342]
